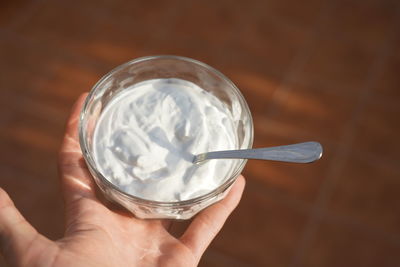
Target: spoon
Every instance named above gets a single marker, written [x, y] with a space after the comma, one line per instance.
[299, 153]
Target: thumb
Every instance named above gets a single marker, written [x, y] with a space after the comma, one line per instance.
[16, 234]
[209, 222]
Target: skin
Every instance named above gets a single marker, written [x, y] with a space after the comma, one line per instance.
[97, 235]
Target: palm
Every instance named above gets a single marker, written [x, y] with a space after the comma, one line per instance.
[96, 235]
[114, 241]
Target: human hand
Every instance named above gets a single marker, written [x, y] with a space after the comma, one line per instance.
[96, 235]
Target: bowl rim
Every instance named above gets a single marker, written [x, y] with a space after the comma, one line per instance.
[98, 175]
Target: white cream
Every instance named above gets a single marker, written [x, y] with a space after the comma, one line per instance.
[146, 137]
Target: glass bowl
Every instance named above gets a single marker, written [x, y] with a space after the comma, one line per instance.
[156, 67]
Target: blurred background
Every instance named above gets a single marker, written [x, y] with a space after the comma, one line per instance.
[324, 70]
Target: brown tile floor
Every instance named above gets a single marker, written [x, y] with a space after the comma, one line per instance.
[322, 70]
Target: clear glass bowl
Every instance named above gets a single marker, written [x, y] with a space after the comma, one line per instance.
[157, 67]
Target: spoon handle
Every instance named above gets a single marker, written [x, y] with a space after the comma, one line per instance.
[299, 153]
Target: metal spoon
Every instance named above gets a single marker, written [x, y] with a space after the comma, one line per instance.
[299, 153]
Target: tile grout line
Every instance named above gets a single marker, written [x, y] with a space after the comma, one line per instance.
[385, 163]
[288, 77]
[398, 31]
[338, 162]
[298, 61]
[305, 207]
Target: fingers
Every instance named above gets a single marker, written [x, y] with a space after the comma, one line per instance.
[209, 222]
[165, 223]
[76, 180]
[15, 232]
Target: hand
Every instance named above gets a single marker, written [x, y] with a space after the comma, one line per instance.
[96, 235]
